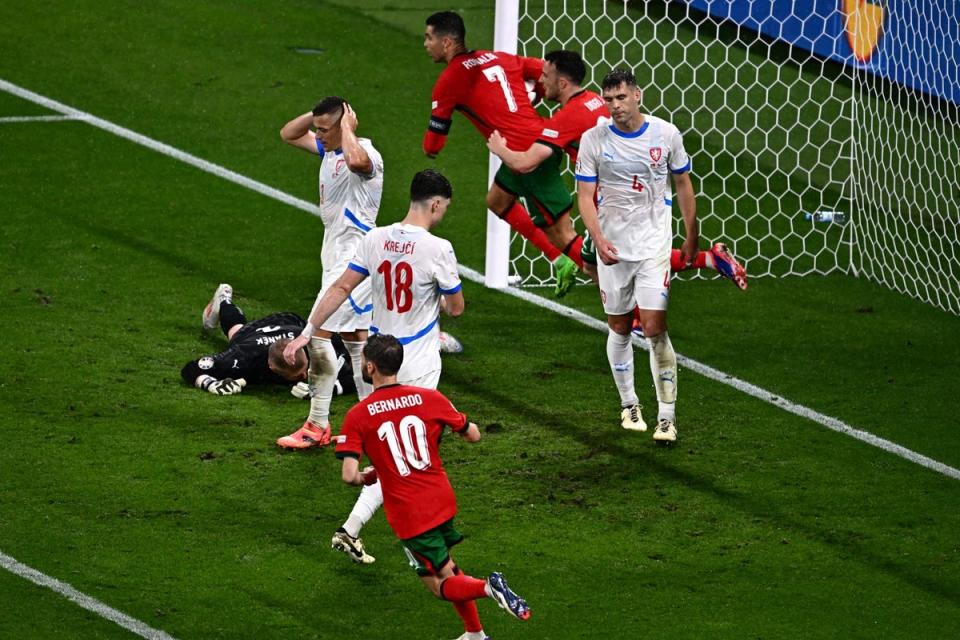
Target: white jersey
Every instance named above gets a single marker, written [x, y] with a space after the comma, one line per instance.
[409, 268]
[631, 171]
[349, 203]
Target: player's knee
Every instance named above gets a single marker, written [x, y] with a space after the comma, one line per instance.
[620, 324]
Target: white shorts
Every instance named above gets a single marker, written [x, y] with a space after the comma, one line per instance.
[354, 314]
[645, 284]
[426, 381]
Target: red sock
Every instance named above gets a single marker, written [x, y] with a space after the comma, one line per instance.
[463, 588]
[677, 263]
[573, 250]
[469, 614]
[518, 218]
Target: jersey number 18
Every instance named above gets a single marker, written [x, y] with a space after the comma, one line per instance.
[397, 283]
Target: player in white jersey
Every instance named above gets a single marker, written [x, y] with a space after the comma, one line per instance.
[413, 276]
[351, 186]
[623, 172]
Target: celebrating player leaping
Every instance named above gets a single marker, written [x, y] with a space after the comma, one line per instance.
[399, 427]
[414, 275]
[581, 109]
[489, 88]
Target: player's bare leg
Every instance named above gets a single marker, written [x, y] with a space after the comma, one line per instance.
[620, 357]
[663, 367]
[719, 258]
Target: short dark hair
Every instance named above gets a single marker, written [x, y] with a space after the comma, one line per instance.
[429, 183]
[617, 77]
[330, 104]
[448, 23]
[385, 352]
[569, 64]
[275, 358]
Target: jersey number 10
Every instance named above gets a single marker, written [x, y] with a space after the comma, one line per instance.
[397, 283]
[410, 450]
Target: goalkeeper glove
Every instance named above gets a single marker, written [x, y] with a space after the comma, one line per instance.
[225, 387]
[300, 390]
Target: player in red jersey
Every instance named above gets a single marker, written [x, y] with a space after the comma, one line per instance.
[489, 89]
[399, 427]
[580, 110]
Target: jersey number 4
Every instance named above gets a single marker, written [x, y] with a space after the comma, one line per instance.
[410, 449]
[397, 283]
[497, 74]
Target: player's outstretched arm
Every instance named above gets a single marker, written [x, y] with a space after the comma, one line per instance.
[224, 387]
[358, 161]
[519, 161]
[298, 134]
[322, 310]
[688, 209]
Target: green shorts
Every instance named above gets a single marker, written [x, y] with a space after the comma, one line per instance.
[544, 190]
[588, 252]
[430, 551]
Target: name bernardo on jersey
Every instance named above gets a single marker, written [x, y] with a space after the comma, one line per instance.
[392, 404]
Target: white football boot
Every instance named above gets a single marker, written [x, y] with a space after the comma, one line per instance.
[353, 547]
[449, 344]
[666, 431]
[211, 313]
[631, 419]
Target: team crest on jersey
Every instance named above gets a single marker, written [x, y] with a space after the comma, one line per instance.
[656, 153]
[205, 363]
[341, 163]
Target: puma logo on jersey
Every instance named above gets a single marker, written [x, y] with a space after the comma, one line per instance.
[268, 329]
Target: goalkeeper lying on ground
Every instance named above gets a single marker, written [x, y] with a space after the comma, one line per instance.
[255, 352]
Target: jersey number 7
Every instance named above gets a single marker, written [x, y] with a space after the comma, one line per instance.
[397, 283]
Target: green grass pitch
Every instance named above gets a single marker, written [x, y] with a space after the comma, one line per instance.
[175, 506]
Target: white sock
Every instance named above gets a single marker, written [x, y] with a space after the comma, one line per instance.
[370, 499]
[321, 377]
[620, 356]
[355, 349]
[663, 366]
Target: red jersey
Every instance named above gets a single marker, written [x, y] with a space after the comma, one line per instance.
[489, 89]
[562, 131]
[398, 427]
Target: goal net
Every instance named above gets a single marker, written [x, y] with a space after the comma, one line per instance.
[803, 163]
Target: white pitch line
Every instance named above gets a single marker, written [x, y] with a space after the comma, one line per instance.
[90, 604]
[705, 370]
[10, 119]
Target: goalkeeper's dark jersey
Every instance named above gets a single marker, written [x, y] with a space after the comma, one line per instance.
[246, 356]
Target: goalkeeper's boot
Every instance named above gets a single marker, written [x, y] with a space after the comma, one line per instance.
[666, 431]
[353, 547]
[630, 418]
[565, 270]
[728, 266]
[449, 344]
[211, 313]
[505, 597]
[309, 435]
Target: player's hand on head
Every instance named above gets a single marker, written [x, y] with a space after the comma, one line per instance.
[349, 119]
[290, 351]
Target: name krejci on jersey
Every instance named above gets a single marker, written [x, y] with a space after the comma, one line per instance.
[395, 246]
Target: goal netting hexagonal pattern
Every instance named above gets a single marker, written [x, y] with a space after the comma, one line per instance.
[801, 165]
